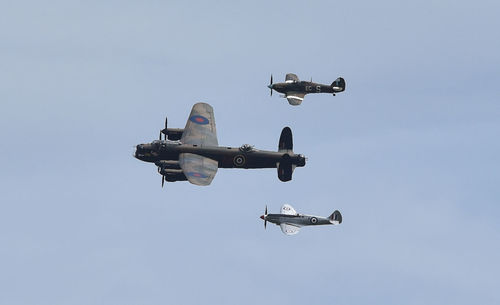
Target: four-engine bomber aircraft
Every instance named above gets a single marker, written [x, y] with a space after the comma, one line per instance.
[291, 221]
[294, 90]
[193, 153]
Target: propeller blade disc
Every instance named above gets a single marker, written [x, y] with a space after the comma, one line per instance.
[265, 216]
[162, 180]
[271, 84]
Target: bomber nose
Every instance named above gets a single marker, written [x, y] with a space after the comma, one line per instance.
[139, 151]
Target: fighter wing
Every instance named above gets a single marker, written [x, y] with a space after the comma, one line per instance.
[200, 127]
[198, 170]
[288, 210]
[291, 78]
[295, 98]
[289, 229]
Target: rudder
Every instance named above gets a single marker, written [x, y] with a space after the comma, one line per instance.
[285, 171]
[338, 85]
[336, 217]
[286, 140]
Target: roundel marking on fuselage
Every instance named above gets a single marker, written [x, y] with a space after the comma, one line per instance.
[239, 160]
[198, 119]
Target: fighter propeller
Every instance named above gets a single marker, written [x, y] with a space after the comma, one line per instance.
[264, 217]
[271, 85]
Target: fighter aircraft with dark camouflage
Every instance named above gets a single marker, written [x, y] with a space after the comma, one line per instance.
[295, 90]
[291, 221]
[194, 154]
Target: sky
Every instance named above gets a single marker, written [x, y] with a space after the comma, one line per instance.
[409, 153]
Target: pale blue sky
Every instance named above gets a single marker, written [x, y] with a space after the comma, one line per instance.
[409, 153]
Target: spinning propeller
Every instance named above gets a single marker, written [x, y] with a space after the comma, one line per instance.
[265, 216]
[164, 131]
[162, 176]
[271, 85]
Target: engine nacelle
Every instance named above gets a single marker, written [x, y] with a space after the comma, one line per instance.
[164, 164]
[172, 175]
[173, 134]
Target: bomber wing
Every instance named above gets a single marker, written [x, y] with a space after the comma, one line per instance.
[200, 127]
[198, 170]
[295, 98]
[291, 78]
[287, 209]
[289, 229]
[199, 130]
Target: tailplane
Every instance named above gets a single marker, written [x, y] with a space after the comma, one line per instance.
[335, 218]
[338, 85]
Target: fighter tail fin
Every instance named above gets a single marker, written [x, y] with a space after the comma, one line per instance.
[336, 218]
[338, 85]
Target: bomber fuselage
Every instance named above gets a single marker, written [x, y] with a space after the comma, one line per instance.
[227, 157]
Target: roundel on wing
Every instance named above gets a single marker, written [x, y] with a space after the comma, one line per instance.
[197, 175]
[199, 119]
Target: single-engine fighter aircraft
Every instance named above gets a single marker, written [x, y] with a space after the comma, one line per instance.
[193, 153]
[294, 90]
[291, 221]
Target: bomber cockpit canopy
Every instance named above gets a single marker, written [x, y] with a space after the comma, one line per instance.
[162, 144]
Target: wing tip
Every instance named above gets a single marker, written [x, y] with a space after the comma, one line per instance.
[202, 104]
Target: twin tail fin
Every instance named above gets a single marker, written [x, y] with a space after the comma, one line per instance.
[285, 145]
